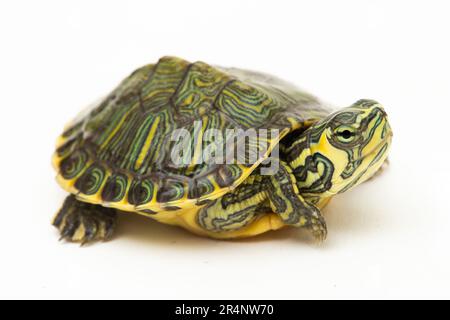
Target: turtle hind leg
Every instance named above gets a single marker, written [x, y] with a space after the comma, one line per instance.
[83, 222]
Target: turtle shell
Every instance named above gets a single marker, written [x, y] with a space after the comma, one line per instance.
[119, 153]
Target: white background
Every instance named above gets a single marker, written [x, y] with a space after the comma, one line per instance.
[388, 238]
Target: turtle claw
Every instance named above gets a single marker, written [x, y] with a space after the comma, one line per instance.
[82, 222]
[318, 227]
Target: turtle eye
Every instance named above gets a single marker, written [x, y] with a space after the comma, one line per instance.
[345, 135]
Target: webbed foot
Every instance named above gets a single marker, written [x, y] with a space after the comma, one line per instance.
[289, 204]
[83, 222]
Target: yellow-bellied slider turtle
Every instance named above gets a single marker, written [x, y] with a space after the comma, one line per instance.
[124, 154]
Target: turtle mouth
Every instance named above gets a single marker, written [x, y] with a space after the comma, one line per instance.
[376, 157]
[369, 164]
[383, 144]
[385, 137]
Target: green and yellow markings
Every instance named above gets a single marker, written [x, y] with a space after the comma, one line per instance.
[137, 142]
[148, 143]
[250, 105]
[74, 165]
[198, 132]
[170, 191]
[115, 188]
[143, 195]
[68, 183]
[301, 158]
[296, 124]
[116, 127]
[92, 180]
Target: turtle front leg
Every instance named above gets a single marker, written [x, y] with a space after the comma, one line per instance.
[258, 195]
[294, 210]
[83, 222]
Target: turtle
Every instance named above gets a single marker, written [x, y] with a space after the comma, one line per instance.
[223, 152]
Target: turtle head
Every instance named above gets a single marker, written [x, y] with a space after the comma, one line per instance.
[346, 148]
